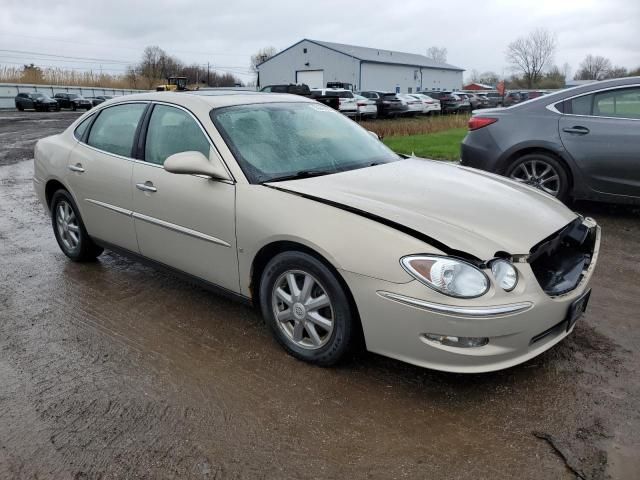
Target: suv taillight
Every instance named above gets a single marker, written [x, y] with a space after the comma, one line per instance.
[478, 122]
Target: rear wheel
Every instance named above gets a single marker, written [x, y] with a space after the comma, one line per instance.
[71, 235]
[541, 171]
[306, 308]
[20, 108]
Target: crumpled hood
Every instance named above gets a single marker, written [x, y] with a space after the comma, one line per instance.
[463, 208]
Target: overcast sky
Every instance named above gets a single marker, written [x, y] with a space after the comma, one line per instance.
[225, 34]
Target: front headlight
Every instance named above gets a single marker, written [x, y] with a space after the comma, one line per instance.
[450, 276]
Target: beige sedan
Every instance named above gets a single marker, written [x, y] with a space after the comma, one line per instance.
[279, 201]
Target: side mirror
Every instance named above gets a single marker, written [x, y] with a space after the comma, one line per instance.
[195, 163]
[373, 134]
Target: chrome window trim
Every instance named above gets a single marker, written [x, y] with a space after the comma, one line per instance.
[472, 312]
[180, 229]
[552, 106]
[97, 111]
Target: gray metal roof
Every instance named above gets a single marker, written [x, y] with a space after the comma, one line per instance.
[386, 56]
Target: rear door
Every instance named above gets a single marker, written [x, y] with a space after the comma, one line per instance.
[100, 173]
[184, 221]
[601, 131]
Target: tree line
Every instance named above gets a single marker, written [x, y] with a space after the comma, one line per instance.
[156, 66]
[530, 58]
[153, 69]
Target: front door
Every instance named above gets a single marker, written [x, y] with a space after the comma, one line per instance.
[100, 174]
[601, 131]
[184, 221]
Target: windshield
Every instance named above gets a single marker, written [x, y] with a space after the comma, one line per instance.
[278, 140]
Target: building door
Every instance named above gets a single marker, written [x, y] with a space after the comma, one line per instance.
[312, 78]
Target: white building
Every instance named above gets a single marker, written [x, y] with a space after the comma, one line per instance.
[315, 63]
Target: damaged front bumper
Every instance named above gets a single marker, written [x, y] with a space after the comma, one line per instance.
[498, 330]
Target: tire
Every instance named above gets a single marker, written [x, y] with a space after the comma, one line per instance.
[328, 345]
[20, 108]
[545, 171]
[75, 243]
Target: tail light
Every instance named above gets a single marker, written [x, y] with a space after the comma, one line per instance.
[478, 122]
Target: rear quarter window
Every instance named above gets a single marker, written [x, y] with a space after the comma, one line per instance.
[80, 129]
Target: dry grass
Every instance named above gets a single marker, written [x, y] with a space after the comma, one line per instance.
[58, 76]
[415, 126]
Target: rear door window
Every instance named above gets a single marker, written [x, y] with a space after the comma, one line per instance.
[115, 128]
[624, 103]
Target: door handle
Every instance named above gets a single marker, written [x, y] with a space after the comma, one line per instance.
[146, 187]
[576, 129]
[76, 168]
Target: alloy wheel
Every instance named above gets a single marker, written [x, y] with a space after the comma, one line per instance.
[538, 174]
[67, 225]
[302, 309]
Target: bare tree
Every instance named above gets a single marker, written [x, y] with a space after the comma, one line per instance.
[437, 54]
[617, 72]
[156, 65]
[489, 78]
[593, 68]
[262, 55]
[530, 55]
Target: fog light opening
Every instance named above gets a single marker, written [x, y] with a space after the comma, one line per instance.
[453, 341]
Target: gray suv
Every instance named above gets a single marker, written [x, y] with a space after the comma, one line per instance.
[581, 143]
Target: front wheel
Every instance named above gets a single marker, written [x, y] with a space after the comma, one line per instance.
[541, 171]
[306, 308]
[71, 235]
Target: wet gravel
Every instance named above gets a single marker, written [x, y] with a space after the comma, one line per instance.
[114, 370]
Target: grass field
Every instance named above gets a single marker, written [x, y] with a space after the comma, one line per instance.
[440, 146]
[430, 137]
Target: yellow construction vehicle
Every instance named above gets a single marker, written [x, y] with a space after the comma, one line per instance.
[174, 84]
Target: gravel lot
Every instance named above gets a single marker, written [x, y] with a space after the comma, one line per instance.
[114, 370]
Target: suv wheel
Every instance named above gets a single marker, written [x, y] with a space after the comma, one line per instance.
[72, 237]
[306, 308]
[541, 171]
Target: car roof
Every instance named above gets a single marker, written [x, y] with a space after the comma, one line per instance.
[211, 98]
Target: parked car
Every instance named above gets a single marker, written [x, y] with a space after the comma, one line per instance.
[37, 101]
[389, 105]
[348, 105]
[291, 207]
[511, 98]
[468, 99]
[494, 98]
[449, 103]
[430, 106]
[300, 89]
[414, 105]
[476, 101]
[579, 143]
[97, 100]
[483, 101]
[366, 108]
[72, 101]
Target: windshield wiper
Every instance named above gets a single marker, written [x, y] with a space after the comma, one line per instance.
[298, 175]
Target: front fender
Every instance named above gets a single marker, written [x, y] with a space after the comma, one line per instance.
[348, 241]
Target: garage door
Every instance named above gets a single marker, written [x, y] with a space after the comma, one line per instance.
[312, 78]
